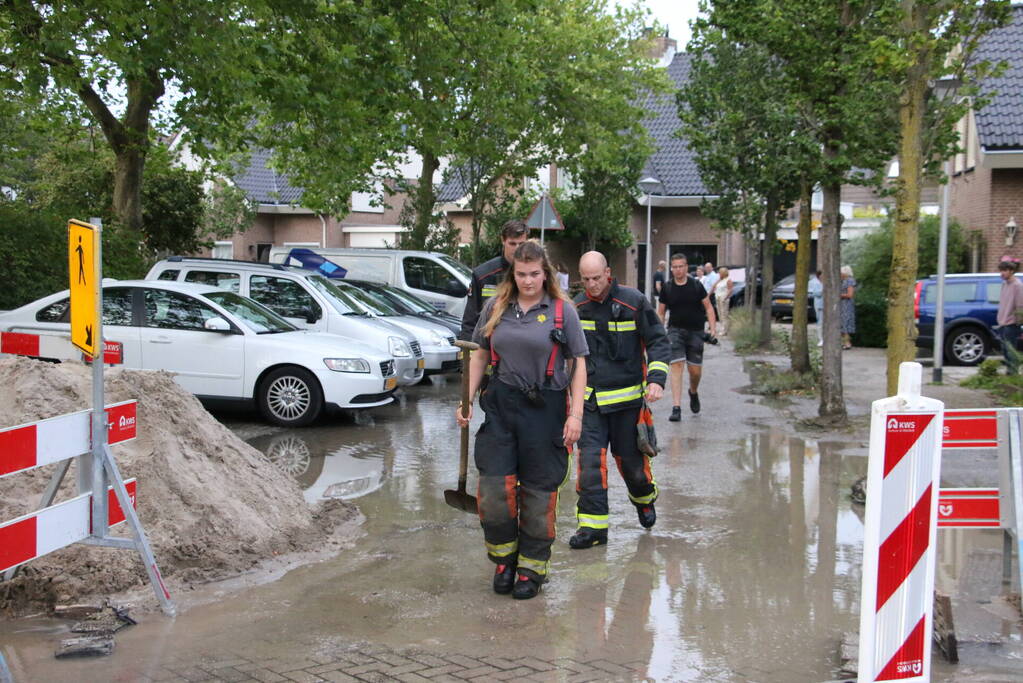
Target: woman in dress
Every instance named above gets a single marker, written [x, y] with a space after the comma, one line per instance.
[723, 297]
[846, 307]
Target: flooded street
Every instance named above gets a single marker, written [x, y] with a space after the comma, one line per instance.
[751, 573]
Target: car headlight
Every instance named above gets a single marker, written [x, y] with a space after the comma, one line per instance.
[437, 339]
[398, 347]
[346, 364]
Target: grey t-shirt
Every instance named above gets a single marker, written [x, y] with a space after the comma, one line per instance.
[523, 343]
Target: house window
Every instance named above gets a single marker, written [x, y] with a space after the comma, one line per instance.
[223, 249]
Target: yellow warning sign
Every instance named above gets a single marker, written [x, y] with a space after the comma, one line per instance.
[84, 272]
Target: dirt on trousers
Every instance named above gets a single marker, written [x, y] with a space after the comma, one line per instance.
[212, 506]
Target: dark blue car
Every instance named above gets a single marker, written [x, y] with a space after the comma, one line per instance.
[971, 305]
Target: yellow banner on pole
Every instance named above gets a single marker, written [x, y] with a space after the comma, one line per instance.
[84, 269]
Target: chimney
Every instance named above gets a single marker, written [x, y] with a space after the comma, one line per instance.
[662, 47]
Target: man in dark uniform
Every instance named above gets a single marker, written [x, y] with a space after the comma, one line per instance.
[488, 275]
[629, 350]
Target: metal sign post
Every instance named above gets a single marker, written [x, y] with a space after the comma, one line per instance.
[85, 268]
[900, 530]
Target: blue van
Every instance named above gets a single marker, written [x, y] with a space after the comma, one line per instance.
[971, 305]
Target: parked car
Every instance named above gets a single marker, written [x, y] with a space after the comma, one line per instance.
[783, 295]
[410, 304]
[221, 345]
[304, 298]
[971, 306]
[439, 352]
[433, 276]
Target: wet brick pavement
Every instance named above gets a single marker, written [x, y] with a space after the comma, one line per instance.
[379, 664]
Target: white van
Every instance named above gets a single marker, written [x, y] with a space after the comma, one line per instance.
[433, 276]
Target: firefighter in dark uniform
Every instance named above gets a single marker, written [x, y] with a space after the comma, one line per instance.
[629, 350]
[487, 276]
[534, 402]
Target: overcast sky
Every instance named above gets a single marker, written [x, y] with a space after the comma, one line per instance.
[675, 14]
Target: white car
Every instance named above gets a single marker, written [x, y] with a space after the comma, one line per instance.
[221, 345]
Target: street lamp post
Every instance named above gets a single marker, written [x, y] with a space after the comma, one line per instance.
[943, 88]
[648, 185]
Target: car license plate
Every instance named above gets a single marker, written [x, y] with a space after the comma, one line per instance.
[420, 364]
[783, 301]
[390, 383]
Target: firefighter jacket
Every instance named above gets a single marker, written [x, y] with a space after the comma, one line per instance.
[628, 347]
[485, 279]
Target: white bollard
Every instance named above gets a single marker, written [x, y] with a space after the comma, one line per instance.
[896, 600]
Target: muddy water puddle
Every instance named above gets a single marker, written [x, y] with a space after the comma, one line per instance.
[751, 573]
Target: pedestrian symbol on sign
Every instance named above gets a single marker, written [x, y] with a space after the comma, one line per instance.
[83, 272]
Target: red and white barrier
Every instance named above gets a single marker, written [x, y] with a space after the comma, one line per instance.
[56, 346]
[969, 509]
[970, 429]
[38, 345]
[28, 446]
[40, 533]
[900, 534]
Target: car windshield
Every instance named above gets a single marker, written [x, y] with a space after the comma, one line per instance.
[256, 317]
[370, 302]
[409, 301]
[459, 267]
[341, 301]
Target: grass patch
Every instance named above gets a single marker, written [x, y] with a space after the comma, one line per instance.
[1007, 390]
[770, 380]
[744, 331]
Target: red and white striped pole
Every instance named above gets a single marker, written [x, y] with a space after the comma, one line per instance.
[896, 601]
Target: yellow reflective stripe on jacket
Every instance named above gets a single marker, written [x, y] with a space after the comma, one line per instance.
[622, 325]
[588, 393]
[657, 365]
[593, 521]
[590, 325]
[502, 549]
[489, 290]
[538, 566]
[606, 398]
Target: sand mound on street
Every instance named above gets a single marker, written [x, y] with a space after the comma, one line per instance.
[211, 505]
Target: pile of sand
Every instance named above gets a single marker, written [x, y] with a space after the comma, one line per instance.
[211, 505]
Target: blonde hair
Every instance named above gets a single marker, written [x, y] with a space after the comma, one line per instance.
[723, 272]
[529, 251]
[846, 271]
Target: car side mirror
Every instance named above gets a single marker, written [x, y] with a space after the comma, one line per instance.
[456, 289]
[310, 315]
[217, 324]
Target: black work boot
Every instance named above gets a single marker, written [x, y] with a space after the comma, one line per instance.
[647, 515]
[694, 402]
[526, 587]
[504, 578]
[587, 537]
[676, 414]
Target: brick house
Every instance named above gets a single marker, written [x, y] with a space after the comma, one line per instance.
[986, 191]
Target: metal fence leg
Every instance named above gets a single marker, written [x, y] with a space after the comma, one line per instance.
[141, 542]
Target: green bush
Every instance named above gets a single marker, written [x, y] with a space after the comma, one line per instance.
[34, 251]
[871, 319]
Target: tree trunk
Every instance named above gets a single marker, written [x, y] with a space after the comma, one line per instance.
[767, 269]
[799, 351]
[129, 164]
[902, 274]
[832, 403]
[426, 197]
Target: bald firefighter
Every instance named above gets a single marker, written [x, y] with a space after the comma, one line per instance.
[489, 274]
[628, 362]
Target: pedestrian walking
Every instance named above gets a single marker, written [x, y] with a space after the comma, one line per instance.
[816, 292]
[530, 335]
[687, 306]
[629, 350]
[563, 279]
[488, 275]
[1010, 312]
[659, 279]
[722, 292]
[710, 278]
[847, 307]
